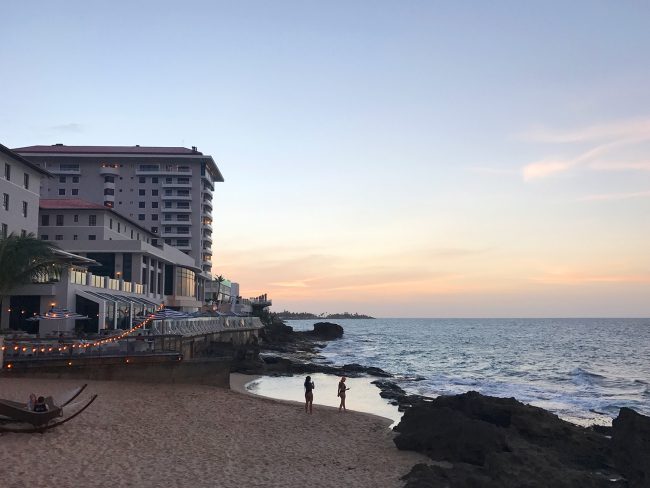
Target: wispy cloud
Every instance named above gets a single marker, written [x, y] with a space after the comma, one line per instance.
[624, 134]
[620, 129]
[614, 196]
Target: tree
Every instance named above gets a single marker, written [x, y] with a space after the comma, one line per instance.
[219, 279]
[23, 260]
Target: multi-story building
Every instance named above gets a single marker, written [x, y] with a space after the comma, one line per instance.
[20, 181]
[167, 190]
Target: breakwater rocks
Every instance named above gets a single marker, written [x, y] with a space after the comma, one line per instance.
[490, 442]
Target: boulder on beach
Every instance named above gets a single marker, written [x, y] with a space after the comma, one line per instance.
[500, 442]
[631, 446]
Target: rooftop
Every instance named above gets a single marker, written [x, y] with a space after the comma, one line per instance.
[61, 148]
[18, 157]
[61, 203]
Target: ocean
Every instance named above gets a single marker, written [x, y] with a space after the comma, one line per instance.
[583, 370]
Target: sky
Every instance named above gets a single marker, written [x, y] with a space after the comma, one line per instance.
[393, 158]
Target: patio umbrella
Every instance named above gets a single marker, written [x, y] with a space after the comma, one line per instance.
[168, 314]
[58, 314]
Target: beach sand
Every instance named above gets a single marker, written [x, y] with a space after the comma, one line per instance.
[146, 435]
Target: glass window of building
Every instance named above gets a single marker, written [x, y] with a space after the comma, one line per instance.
[23, 233]
[58, 237]
[7, 172]
[92, 237]
[110, 223]
[24, 209]
[154, 216]
[140, 216]
[61, 179]
[75, 191]
[109, 191]
[59, 220]
[75, 237]
[141, 192]
[76, 218]
[92, 220]
[44, 237]
[154, 204]
[26, 182]
[45, 220]
[140, 204]
[154, 180]
[75, 179]
[61, 191]
[142, 179]
[109, 179]
[185, 282]
[154, 193]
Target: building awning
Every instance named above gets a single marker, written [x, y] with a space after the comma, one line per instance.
[74, 259]
[111, 297]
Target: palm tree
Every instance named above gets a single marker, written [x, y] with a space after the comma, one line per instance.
[23, 260]
[219, 279]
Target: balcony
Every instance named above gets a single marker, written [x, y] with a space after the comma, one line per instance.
[207, 196]
[186, 198]
[65, 171]
[184, 247]
[177, 185]
[177, 210]
[176, 221]
[206, 212]
[109, 170]
[163, 172]
[174, 233]
[207, 203]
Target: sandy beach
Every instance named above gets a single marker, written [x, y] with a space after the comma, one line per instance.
[145, 435]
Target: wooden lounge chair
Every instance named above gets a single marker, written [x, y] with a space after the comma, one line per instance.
[17, 417]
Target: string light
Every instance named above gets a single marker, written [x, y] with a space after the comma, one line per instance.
[57, 314]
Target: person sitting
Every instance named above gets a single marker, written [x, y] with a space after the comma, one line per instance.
[40, 405]
[32, 402]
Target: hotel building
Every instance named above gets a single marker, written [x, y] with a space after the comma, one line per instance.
[20, 181]
[165, 190]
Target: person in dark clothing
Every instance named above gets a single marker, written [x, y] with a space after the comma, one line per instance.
[40, 405]
[309, 394]
[341, 393]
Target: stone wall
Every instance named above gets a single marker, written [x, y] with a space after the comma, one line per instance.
[165, 369]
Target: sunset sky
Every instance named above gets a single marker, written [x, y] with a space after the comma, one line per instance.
[400, 159]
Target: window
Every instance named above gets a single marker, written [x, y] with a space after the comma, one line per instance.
[75, 179]
[4, 231]
[92, 237]
[141, 192]
[44, 237]
[119, 227]
[168, 180]
[109, 191]
[61, 191]
[75, 191]
[26, 181]
[110, 179]
[183, 193]
[183, 230]
[168, 204]
[75, 237]
[140, 216]
[138, 236]
[154, 204]
[58, 237]
[154, 180]
[110, 224]
[148, 167]
[183, 169]
[168, 192]
[131, 233]
[59, 220]
[182, 242]
[184, 181]
[45, 220]
[61, 179]
[76, 218]
[7, 172]
[185, 282]
[154, 230]
[24, 209]
[142, 179]
[154, 216]
[69, 167]
[140, 204]
[154, 193]
[5, 201]
[92, 221]
[168, 230]
[183, 205]
[168, 241]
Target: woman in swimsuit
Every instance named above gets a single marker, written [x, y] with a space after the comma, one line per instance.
[309, 394]
[341, 394]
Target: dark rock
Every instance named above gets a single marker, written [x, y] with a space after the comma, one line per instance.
[369, 370]
[500, 442]
[390, 390]
[327, 330]
[631, 446]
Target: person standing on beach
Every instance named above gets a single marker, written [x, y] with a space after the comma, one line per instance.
[309, 394]
[341, 394]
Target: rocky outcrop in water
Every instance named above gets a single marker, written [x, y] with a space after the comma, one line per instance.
[327, 330]
[502, 443]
